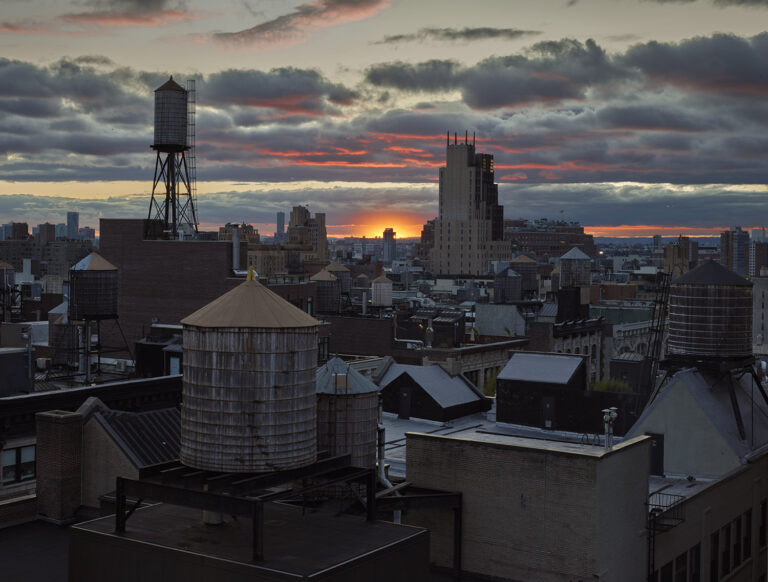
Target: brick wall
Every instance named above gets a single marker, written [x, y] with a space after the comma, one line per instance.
[59, 458]
[18, 510]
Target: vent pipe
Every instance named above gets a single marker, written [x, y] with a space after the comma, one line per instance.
[609, 419]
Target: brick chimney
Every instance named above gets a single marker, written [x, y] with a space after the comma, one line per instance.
[59, 460]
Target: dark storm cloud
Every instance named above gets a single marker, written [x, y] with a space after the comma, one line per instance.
[132, 5]
[303, 17]
[434, 75]
[551, 71]
[720, 63]
[650, 117]
[296, 91]
[713, 206]
[459, 34]
[84, 87]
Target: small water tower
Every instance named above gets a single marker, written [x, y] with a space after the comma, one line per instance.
[381, 289]
[342, 274]
[347, 413]
[92, 299]
[328, 291]
[173, 187]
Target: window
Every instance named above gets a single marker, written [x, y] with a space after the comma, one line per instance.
[737, 541]
[18, 464]
[666, 573]
[762, 523]
[726, 551]
[681, 568]
[714, 552]
[694, 562]
[747, 540]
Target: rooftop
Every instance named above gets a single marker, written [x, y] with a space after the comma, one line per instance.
[297, 543]
[250, 305]
[94, 262]
[711, 273]
[545, 368]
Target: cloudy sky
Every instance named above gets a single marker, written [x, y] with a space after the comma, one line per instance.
[630, 116]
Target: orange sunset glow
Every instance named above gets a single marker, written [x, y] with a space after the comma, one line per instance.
[643, 230]
[405, 225]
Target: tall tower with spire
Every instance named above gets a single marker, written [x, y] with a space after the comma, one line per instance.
[469, 230]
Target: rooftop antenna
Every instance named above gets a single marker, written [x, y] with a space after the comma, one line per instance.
[473, 138]
[447, 138]
[455, 138]
[466, 136]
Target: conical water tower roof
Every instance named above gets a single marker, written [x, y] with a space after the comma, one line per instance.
[323, 276]
[250, 304]
[382, 279]
[575, 253]
[522, 259]
[7, 266]
[711, 273]
[336, 267]
[93, 262]
[171, 85]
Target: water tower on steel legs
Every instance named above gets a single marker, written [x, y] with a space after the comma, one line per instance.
[173, 188]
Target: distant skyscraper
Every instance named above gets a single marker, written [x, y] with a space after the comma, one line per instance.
[389, 253]
[734, 250]
[280, 232]
[73, 225]
[469, 230]
[61, 230]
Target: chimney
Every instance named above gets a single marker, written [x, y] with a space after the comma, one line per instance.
[58, 464]
[236, 248]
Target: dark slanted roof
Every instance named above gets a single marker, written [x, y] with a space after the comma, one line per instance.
[576, 253]
[147, 438]
[355, 382]
[444, 389]
[545, 368]
[711, 273]
[171, 85]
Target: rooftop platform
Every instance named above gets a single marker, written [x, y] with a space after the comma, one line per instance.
[298, 544]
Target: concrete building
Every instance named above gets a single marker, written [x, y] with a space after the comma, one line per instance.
[548, 238]
[46, 233]
[759, 315]
[535, 509]
[304, 229]
[469, 230]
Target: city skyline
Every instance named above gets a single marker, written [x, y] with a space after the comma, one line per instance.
[631, 117]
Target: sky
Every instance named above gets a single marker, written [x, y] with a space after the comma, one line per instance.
[633, 117]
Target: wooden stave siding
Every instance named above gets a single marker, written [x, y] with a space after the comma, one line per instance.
[249, 402]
